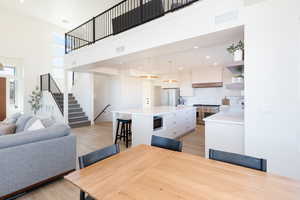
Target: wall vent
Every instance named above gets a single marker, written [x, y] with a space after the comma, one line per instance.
[120, 49]
[227, 17]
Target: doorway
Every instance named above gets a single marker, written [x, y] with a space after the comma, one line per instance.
[2, 99]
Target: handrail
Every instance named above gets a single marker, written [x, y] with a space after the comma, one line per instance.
[123, 16]
[103, 111]
[47, 83]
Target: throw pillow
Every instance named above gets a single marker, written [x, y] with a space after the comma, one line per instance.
[47, 122]
[7, 128]
[29, 123]
[35, 126]
[13, 118]
[21, 122]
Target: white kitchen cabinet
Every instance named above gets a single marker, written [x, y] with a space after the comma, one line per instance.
[207, 75]
[177, 121]
[186, 89]
[225, 131]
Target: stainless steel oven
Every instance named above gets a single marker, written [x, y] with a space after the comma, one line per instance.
[204, 111]
[157, 122]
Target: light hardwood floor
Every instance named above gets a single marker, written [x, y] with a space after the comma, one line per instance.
[98, 136]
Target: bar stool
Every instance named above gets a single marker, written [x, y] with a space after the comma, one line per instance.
[125, 131]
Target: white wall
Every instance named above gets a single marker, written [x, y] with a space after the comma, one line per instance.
[272, 41]
[49, 108]
[121, 91]
[30, 40]
[83, 90]
[192, 21]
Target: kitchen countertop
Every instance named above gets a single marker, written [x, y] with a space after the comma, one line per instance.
[230, 117]
[153, 110]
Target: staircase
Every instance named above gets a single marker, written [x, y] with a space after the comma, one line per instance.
[77, 118]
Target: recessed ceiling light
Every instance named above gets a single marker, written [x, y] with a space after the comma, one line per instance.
[21, 1]
[65, 21]
[180, 68]
[207, 57]
[215, 63]
[196, 47]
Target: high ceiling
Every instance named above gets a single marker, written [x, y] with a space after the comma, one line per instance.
[75, 12]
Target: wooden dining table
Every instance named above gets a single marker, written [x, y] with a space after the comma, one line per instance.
[151, 173]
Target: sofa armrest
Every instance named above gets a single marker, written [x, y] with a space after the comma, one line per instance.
[25, 165]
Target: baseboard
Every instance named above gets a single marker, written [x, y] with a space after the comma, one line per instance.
[34, 186]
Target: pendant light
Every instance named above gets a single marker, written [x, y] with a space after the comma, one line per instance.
[170, 79]
[148, 75]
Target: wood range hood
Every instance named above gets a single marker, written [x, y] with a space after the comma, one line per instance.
[207, 85]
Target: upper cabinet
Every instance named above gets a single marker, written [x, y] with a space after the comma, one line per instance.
[207, 75]
[186, 89]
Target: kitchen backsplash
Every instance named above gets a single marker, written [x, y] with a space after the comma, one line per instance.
[213, 96]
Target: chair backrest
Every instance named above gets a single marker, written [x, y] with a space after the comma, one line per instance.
[98, 155]
[238, 159]
[166, 143]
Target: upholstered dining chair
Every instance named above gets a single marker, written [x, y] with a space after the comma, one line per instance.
[93, 157]
[238, 159]
[166, 143]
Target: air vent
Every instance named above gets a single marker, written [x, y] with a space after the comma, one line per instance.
[120, 49]
[227, 17]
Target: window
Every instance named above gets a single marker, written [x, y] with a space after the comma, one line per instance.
[10, 73]
[12, 93]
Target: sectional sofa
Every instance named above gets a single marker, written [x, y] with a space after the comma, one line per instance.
[31, 158]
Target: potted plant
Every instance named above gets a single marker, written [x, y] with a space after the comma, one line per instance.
[35, 100]
[237, 51]
[238, 79]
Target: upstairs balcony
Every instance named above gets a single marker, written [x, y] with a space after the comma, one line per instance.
[119, 18]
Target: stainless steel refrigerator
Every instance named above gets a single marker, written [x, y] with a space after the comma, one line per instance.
[170, 97]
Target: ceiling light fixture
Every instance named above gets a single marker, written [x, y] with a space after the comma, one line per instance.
[149, 76]
[180, 68]
[196, 47]
[170, 79]
[21, 1]
[215, 63]
[65, 21]
[207, 57]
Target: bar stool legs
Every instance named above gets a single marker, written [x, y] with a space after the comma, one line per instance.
[125, 131]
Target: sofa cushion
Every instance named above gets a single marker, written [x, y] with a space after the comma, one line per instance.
[13, 118]
[55, 131]
[36, 125]
[47, 122]
[21, 122]
[7, 128]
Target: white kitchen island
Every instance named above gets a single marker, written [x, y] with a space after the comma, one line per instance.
[176, 121]
[225, 131]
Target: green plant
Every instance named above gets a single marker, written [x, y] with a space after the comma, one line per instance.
[233, 48]
[35, 100]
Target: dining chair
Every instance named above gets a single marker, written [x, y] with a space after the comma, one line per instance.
[93, 157]
[238, 159]
[166, 143]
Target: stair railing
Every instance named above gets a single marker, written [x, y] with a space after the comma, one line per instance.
[47, 83]
[121, 17]
[102, 111]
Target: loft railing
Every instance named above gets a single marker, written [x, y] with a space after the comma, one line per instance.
[49, 84]
[121, 17]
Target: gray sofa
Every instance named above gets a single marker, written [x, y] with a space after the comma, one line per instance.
[32, 158]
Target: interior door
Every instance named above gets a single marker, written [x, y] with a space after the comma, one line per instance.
[2, 98]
